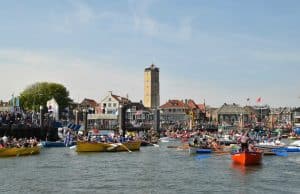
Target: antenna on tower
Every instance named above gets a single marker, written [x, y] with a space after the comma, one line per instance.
[153, 60]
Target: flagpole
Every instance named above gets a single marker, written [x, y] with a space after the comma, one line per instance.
[261, 115]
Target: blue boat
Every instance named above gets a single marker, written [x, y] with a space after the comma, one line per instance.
[49, 144]
[203, 151]
[292, 149]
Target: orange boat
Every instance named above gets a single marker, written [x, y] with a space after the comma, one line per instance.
[247, 158]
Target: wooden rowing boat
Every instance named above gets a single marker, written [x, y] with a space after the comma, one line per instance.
[247, 158]
[83, 146]
[9, 152]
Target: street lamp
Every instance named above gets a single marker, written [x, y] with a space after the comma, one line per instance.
[76, 117]
[41, 116]
[85, 120]
[121, 120]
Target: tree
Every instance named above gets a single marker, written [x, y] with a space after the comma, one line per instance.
[39, 93]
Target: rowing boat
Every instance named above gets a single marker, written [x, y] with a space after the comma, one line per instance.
[247, 158]
[83, 146]
[9, 152]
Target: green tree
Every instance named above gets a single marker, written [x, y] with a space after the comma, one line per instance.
[39, 93]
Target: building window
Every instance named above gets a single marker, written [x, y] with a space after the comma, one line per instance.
[115, 104]
[109, 104]
[109, 99]
[104, 105]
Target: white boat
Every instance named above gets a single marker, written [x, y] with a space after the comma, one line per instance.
[295, 143]
[273, 144]
[166, 139]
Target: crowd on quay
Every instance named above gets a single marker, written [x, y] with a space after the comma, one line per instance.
[25, 118]
[6, 142]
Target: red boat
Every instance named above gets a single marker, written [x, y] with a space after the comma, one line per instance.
[247, 158]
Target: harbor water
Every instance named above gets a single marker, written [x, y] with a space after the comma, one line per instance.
[151, 170]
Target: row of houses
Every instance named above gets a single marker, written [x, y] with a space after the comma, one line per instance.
[186, 113]
[105, 113]
[233, 114]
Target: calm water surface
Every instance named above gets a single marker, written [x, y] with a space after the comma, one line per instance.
[152, 170]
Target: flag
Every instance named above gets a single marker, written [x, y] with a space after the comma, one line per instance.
[258, 100]
[68, 139]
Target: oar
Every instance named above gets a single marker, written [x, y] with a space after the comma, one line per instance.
[155, 145]
[125, 147]
[115, 145]
[170, 146]
[112, 146]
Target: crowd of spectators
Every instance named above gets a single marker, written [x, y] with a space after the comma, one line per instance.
[10, 118]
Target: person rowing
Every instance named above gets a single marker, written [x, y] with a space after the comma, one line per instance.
[215, 146]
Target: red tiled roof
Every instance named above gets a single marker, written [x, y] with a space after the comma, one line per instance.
[174, 104]
[191, 104]
[90, 102]
[201, 107]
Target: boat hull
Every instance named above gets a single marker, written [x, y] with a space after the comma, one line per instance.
[247, 158]
[292, 149]
[198, 150]
[107, 147]
[10, 152]
[91, 146]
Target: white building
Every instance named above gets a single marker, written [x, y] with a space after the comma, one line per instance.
[296, 117]
[110, 104]
[106, 114]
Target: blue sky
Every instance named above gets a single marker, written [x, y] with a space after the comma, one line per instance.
[220, 51]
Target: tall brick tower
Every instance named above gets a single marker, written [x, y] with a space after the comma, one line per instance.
[151, 87]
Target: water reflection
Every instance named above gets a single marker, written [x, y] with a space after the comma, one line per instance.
[246, 170]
